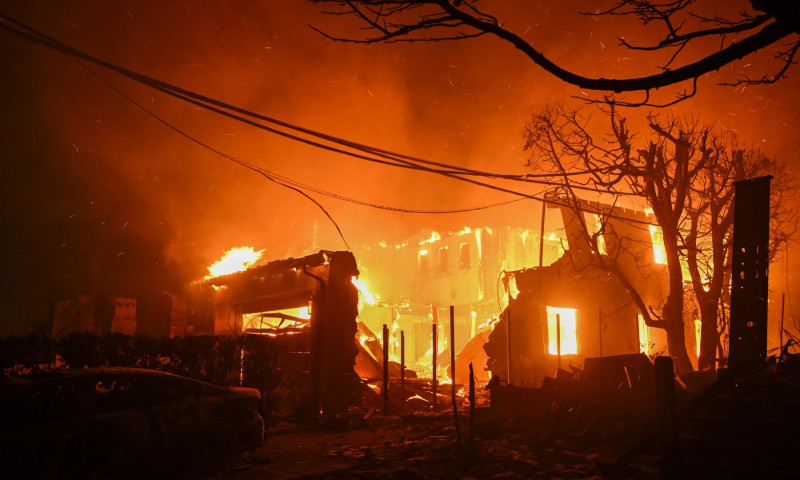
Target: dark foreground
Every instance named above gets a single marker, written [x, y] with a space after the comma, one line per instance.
[407, 447]
[747, 426]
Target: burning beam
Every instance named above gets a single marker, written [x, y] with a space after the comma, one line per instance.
[237, 259]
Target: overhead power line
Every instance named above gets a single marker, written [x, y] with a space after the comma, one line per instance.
[385, 157]
[285, 181]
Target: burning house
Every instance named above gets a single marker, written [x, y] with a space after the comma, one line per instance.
[559, 313]
[572, 309]
[416, 280]
[308, 304]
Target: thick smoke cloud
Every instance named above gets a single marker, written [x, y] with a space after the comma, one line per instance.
[98, 197]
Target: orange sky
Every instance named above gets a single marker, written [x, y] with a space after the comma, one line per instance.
[90, 176]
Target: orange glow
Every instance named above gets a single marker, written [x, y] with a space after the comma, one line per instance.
[595, 226]
[569, 331]
[435, 237]
[237, 259]
[697, 335]
[657, 237]
[262, 320]
[364, 293]
[488, 324]
[645, 343]
[513, 291]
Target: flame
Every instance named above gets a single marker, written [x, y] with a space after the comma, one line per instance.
[645, 344]
[698, 328]
[265, 320]
[361, 285]
[488, 324]
[657, 237]
[237, 259]
[435, 237]
[568, 330]
[363, 339]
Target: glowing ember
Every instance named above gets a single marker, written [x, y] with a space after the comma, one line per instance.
[236, 259]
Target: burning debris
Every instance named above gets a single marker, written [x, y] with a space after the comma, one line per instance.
[237, 259]
[309, 305]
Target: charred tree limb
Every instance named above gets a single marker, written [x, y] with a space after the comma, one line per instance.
[439, 20]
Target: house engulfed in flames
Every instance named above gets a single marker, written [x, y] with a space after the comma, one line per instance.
[560, 313]
[308, 304]
[569, 310]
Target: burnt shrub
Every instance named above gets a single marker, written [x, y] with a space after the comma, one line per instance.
[222, 360]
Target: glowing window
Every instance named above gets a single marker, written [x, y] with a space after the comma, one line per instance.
[595, 225]
[568, 327]
[645, 342]
[423, 261]
[659, 252]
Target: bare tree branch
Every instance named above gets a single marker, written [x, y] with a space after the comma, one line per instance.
[439, 20]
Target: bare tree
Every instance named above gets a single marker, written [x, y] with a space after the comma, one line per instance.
[770, 22]
[686, 175]
[658, 173]
[708, 241]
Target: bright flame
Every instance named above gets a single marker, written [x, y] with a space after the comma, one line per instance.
[512, 287]
[657, 237]
[488, 324]
[478, 241]
[568, 330]
[237, 259]
[659, 252]
[435, 237]
[268, 320]
[361, 285]
[595, 225]
[698, 328]
[645, 343]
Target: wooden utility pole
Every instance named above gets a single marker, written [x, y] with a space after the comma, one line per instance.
[403, 368]
[453, 371]
[385, 369]
[434, 350]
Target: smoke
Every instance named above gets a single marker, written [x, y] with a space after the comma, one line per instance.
[97, 195]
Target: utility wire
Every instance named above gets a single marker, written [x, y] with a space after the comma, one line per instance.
[277, 178]
[266, 174]
[218, 106]
[401, 160]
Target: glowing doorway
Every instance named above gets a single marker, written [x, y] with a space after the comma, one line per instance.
[568, 327]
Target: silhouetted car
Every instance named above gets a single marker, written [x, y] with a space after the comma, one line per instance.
[101, 422]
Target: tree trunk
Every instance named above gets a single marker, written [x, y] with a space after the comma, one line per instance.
[709, 336]
[676, 340]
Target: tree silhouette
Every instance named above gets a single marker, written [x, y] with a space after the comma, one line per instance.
[685, 170]
[769, 22]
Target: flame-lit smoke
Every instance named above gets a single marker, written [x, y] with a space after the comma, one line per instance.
[237, 259]
[364, 292]
[147, 194]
